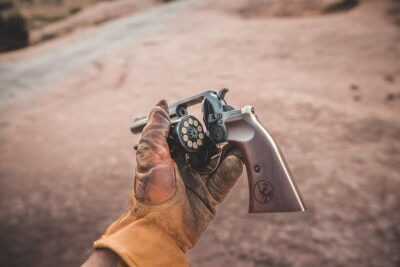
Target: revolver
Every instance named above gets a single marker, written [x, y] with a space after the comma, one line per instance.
[271, 184]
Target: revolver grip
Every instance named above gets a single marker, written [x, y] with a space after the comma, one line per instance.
[271, 185]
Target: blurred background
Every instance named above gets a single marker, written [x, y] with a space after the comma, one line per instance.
[323, 76]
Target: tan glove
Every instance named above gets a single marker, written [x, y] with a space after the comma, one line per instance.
[171, 204]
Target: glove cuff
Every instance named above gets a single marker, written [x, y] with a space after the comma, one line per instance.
[142, 243]
[152, 235]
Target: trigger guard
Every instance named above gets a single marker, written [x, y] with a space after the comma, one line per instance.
[209, 168]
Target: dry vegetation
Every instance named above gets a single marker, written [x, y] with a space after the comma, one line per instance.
[40, 13]
[48, 19]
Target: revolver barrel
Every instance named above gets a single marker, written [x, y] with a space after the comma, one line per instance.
[138, 125]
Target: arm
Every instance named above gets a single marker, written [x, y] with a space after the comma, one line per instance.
[103, 258]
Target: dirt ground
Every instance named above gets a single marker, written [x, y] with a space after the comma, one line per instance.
[327, 87]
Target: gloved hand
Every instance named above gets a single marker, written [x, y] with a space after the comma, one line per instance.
[171, 205]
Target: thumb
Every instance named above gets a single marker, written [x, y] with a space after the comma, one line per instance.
[155, 177]
[225, 177]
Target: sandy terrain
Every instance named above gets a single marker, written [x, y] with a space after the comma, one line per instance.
[327, 87]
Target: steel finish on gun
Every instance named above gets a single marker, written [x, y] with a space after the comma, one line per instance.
[271, 184]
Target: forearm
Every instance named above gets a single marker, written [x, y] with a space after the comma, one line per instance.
[103, 258]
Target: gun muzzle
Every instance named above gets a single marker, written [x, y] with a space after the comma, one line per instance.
[138, 125]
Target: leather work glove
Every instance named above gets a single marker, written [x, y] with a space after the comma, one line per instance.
[171, 205]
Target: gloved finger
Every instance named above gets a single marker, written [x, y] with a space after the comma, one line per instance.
[225, 177]
[153, 145]
[155, 178]
[229, 149]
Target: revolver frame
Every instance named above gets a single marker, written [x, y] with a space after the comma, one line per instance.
[271, 185]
